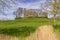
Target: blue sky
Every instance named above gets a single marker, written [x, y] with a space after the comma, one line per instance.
[28, 1]
[31, 3]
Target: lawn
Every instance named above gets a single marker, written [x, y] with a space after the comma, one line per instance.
[24, 26]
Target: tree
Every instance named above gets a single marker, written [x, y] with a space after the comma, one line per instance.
[55, 10]
[6, 5]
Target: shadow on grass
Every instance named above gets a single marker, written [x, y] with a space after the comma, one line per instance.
[19, 31]
[56, 26]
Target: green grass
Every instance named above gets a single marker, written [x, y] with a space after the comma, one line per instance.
[20, 31]
[25, 22]
[57, 30]
[24, 26]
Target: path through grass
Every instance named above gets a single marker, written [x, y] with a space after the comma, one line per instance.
[24, 26]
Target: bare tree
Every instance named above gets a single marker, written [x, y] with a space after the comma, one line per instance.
[6, 5]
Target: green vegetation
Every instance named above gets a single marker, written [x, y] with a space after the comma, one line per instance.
[24, 26]
[57, 30]
[55, 10]
[20, 31]
[33, 22]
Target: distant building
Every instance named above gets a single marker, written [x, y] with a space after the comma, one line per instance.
[19, 13]
[23, 12]
[29, 13]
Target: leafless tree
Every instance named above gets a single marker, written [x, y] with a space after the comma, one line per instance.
[5, 5]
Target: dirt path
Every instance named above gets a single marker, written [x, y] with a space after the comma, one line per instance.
[43, 33]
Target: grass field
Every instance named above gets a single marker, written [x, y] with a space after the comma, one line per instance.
[25, 22]
[25, 26]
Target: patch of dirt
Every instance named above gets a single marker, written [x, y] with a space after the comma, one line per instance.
[43, 33]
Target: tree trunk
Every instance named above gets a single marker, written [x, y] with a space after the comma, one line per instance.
[54, 19]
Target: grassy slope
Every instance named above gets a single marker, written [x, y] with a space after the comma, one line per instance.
[23, 26]
[25, 22]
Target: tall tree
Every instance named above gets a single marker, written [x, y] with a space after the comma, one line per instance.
[55, 9]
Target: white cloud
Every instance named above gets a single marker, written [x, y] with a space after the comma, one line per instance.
[32, 5]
